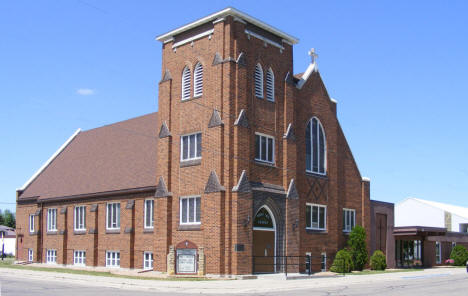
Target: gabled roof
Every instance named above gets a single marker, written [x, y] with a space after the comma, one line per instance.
[225, 12]
[456, 210]
[114, 157]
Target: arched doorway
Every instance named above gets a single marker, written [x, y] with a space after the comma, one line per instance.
[264, 241]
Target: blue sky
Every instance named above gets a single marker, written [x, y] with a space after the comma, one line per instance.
[397, 68]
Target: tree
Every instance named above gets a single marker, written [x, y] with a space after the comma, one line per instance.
[459, 255]
[378, 261]
[357, 247]
[9, 219]
[2, 219]
[343, 262]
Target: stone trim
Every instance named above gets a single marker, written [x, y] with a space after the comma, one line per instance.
[164, 131]
[130, 204]
[194, 227]
[52, 232]
[243, 185]
[167, 76]
[292, 190]
[215, 119]
[93, 208]
[79, 232]
[213, 184]
[63, 210]
[188, 163]
[242, 119]
[112, 231]
[161, 190]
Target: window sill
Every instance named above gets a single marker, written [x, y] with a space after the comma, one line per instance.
[191, 162]
[52, 232]
[34, 233]
[113, 231]
[316, 231]
[189, 227]
[79, 232]
[346, 232]
[265, 163]
[191, 99]
[317, 175]
[148, 230]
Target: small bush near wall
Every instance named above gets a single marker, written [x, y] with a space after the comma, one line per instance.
[343, 262]
[459, 255]
[378, 261]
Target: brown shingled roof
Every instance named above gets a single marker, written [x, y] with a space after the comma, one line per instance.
[113, 157]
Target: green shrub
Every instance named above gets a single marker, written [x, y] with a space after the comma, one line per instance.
[378, 261]
[459, 255]
[357, 246]
[343, 262]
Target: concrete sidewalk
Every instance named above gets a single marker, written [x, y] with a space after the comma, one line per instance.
[263, 284]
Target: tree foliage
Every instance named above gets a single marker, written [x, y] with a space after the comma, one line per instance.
[459, 255]
[343, 262]
[7, 218]
[357, 247]
[378, 261]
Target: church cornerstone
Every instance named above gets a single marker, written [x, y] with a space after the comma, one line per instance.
[171, 261]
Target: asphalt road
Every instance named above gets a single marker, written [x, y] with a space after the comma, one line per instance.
[433, 284]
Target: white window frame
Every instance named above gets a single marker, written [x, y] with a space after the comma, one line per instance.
[148, 263]
[188, 151]
[30, 255]
[151, 202]
[52, 219]
[258, 81]
[323, 261]
[31, 223]
[113, 259]
[111, 216]
[51, 256]
[80, 215]
[438, 252]
[186, 89]
[270, 85]
[198, 80]
[267, 148]
[324, 207]
[319, 127]
[79, 258]
[346, 213]
[195, 197]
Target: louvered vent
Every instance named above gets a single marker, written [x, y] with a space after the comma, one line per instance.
[198, 80]
[186, 83]
[270, 85]
[258, 81]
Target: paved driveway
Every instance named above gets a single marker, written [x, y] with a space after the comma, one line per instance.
[446, 281]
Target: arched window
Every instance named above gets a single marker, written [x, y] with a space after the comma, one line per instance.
[198, 80]
[186, 80]
[270, 85]
[316, 147]
[258, 81]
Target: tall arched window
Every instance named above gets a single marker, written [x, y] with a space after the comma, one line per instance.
[316, 147]
[198, 80]
[186, 80]
[258, 81]
[270, 85]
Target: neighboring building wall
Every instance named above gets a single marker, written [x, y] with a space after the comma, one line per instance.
[413, 213]
[456, 221]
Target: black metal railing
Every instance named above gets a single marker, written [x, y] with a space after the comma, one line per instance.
[281, 264]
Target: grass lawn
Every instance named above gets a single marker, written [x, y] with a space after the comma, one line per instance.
[8, 263]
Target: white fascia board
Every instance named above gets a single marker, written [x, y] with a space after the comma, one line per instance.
[264, 39]
[196, 37]
[46, 164]
[312, 68]
[225, 12]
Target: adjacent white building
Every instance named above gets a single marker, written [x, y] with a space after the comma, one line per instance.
[420, 212]
[7, 240]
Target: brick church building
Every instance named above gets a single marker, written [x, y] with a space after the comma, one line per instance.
[243, 160]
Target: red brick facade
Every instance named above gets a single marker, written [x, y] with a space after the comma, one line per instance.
[225, 233]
